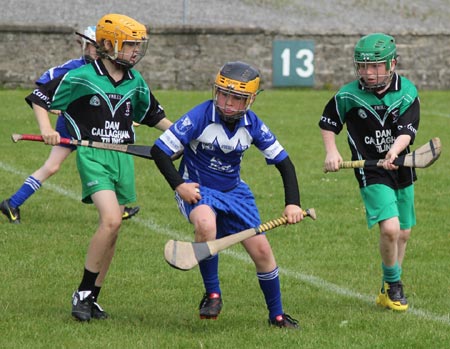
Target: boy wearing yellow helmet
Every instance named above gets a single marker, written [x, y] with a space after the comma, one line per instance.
[100, 101]
[209, 190]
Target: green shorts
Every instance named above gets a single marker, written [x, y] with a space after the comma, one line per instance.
[383, 202]
[106, 170]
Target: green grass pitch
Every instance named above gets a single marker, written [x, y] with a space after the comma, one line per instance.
[329, 268]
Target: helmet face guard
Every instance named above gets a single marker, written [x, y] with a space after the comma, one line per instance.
[128, 39]
[231, 105]
[235, 89]
[375, 57]
[131, 53]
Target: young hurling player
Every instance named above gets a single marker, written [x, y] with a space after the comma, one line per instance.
[100, 101]
[381, 110]
[11, 207]
[209, 188]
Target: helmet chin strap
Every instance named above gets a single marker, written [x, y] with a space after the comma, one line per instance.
[372, 88]
[88, 59]
[122, 64]
[229, 120]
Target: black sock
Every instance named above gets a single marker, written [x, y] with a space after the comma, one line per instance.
[96, 292]
[88, 281]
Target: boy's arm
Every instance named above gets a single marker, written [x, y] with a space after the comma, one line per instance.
[163, 124]
[48, 133]
[166, 167]
[332, 158]
[292, 210]
[187, 191]
[400, 144]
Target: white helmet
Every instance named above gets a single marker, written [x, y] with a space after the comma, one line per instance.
[89, 33]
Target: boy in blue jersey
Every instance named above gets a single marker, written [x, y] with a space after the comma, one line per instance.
[11, 207]
[381, 111]
[208, 186]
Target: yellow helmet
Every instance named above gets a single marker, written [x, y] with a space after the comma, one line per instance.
[120, 29]
[238, 79]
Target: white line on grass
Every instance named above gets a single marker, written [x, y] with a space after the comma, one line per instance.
[436, 113]
[308, 279]
[49, 186]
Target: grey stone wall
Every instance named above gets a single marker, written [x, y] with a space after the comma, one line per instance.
[188, 57]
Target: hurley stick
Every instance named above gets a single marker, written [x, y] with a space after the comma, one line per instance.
[422, 157]
[185, 255]
[142, 151]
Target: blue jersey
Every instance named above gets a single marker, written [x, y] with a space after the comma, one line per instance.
[212, 153]
[60, 70]
[54, 73]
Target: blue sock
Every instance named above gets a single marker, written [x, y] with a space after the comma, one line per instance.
[270, 286]
[209, 268]
[27, 189]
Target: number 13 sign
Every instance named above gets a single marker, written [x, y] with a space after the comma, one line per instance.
[293, 63]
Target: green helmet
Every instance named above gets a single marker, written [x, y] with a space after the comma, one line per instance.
[375, 48]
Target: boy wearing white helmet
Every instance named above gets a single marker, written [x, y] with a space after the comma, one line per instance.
[11, 207]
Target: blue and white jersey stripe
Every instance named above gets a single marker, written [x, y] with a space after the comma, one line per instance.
[212, 153]
[60, 70]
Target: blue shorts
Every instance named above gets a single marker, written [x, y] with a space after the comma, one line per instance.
[235, 209]
[64, 132]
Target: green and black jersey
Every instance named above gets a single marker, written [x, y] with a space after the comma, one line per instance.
[98, 108]
[373, 123]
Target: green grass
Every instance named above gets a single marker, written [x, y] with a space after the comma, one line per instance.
[330, 268]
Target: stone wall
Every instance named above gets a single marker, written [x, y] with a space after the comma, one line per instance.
[188, 57]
